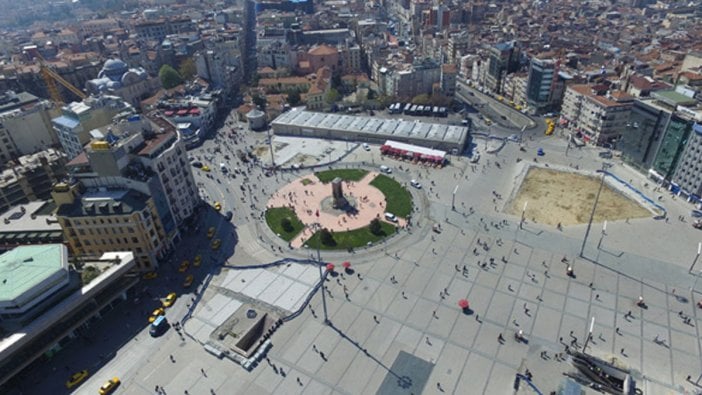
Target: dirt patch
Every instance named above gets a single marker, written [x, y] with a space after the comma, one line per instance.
[567, 198]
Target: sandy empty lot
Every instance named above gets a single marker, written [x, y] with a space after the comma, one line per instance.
[567, 198]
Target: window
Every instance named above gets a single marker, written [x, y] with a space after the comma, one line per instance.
[135, 240]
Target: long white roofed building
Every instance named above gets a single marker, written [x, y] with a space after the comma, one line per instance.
[370, 129]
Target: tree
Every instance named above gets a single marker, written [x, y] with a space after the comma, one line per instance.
[326, 237]
[332, 96]
[169, 77]
[286, 224]
[371, 94]
[259, 100]
[187, 69]
[294, 98]
[375, 227]
[421, 99]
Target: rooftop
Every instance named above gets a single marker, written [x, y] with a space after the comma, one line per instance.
[24, 267]
[105, 203]
[27, 217]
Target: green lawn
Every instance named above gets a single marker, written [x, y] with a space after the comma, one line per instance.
[345, 174]
[398, 198]
[352, 239]
[275, 215]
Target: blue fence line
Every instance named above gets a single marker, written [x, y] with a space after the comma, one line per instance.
[639, 193]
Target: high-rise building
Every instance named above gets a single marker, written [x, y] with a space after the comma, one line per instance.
[504, 59]
[656, 136]
[145, 153]
[30, 177]
[25, 125]
[100, 220]
[595, 114]
[543, 76]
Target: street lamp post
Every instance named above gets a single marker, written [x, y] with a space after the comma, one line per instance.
[521, 221]
[604, 233]
[589, 334]
[321, 276]
[594, 208]
[699, 250]
[453, 198]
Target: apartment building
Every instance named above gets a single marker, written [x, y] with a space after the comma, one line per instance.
[449, 72]
[30, 177]
[595, 114]
[96, 221]
[25, 125]
[79, 118]
[147, 154]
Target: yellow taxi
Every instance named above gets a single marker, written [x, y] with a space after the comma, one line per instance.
[188, 281]
[150, 275]
[205, 168]
[217, 206]
[159, 311]
[197, 260]
[216, 243]
[109, 386]
[210, 232]
[76, 379]
[184, 266]
[170, 299]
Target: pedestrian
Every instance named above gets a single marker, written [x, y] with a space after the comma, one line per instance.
[622, 351]
[500, 339]
[314, 348]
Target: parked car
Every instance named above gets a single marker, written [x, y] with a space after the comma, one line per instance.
[385, 169]
[76, 379]
[170, 299]
[390, 217]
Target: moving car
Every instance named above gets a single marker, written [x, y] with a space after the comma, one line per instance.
[197, 261]
[229, 216]
[216, 243]
[385, 169]
[184, 266]
[390, 217]
[150, 275]
[158, 326]
[205, 168]
[76, 379]
[156, 313]
[109, 386]
[197, 164]
[188, 281]
[170, 299]
[366, 147]
[416, 184]
[217, 206]
[210, 232]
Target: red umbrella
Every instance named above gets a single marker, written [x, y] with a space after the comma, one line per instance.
[463, 303]
[330, 266]
[346, 264]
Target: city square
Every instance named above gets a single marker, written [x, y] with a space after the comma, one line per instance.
[396, 320]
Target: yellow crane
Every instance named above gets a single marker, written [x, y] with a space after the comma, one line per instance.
[51, 77]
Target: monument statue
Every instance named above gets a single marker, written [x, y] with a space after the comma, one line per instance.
[340, 201]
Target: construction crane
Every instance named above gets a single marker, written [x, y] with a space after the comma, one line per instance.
[51, 77]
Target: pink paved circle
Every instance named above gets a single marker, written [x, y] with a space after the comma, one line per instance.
[306, 201]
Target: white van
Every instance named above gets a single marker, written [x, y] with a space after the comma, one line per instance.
[390, 217]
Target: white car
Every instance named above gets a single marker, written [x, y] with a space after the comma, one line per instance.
[385, 169]
[416, 184]
[390, 217]
[366, 147]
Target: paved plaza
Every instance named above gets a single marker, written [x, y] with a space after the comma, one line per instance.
[311, 200]
[395, 326]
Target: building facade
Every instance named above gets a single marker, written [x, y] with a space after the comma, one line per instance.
[25, 125]
[594, 114]
[101, 220]
[30, 177]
